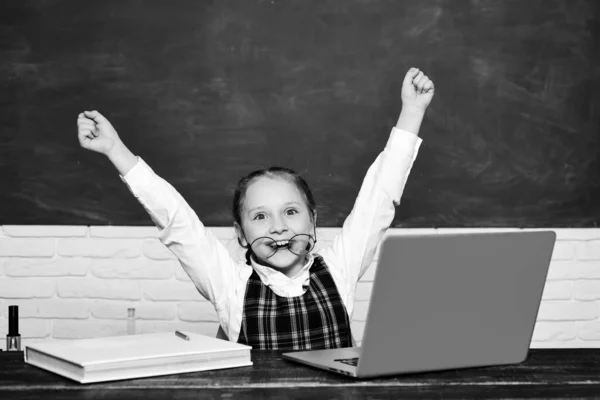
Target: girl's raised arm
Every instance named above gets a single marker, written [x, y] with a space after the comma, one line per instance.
[373, 212]
[205, 259]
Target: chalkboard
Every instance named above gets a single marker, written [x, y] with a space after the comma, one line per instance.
[207, 91]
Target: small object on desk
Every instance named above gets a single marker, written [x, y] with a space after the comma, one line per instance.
[182, 335]
[127, 357]
[131, 321]
[13, 339]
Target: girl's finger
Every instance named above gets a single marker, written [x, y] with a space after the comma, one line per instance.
[96, 116]
[417, 77]
[86, 133]
[428, 86]
[83, 138]
[90, 126]
[422, 81]
[85, 124]
[410, 75]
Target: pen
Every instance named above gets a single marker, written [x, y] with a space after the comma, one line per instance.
[182, 335]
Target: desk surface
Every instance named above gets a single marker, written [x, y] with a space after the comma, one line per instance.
[546, 373]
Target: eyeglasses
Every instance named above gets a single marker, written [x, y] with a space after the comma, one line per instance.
[299, 245]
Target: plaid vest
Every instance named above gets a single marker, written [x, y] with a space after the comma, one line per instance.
[315, 320]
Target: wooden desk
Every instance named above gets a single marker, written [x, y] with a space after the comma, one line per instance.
[547, 373]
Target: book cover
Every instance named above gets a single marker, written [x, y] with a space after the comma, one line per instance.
[133, 356]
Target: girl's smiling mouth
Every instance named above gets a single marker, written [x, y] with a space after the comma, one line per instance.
[279, 244]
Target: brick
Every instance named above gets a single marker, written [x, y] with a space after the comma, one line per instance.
[588, 250]
[32, 341]
[554, 331]
[204, 328]
[110, 248]
[137, 268]
[563, 250]
[358, 331]
[574, 270]
[111, 309]
[33, 328]
[558, 290]
[567, 311]
[360, 310]
[589, 331]
[118, 310]
[26, 288]
[363, 291]
[587, 289]
[197, 311]
[577, 234]
[99, 289]
[78, 329]
[124, 231]
[170, 291]
[45, 231]
[28, 328]
[52, 308]
[155, 250]
[26, 247]
[56, 266]
[156, 311]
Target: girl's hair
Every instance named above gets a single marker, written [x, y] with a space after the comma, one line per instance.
[272, 172]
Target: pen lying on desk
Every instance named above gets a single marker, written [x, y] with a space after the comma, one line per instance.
[182, 335]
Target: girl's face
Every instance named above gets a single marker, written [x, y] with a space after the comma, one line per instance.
[275, 208]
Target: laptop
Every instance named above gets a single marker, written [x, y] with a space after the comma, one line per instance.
[447, 301]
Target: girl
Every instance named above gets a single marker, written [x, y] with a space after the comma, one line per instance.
[283, 297]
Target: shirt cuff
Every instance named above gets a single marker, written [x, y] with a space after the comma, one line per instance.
[138, 176]
[403, 140]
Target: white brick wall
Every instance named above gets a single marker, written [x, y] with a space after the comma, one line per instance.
[76, 282]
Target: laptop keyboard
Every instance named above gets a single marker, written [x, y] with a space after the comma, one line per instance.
[349, 361]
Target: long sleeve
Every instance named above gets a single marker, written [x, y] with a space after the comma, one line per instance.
[204, 258]
[354, 248]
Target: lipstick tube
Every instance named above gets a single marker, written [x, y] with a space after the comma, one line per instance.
[13, 339]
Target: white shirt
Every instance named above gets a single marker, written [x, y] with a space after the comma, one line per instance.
[222, 280]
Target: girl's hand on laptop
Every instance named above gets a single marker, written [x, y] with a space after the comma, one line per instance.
[417, 90]
[96, 133]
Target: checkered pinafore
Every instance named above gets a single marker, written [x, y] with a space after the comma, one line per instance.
[315, 320]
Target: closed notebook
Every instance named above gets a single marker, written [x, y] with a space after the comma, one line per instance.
[136, 356]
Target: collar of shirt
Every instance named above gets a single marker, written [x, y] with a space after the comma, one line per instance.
[281, 284]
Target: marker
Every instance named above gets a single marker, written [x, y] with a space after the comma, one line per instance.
[13, 339]
[182, 335]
